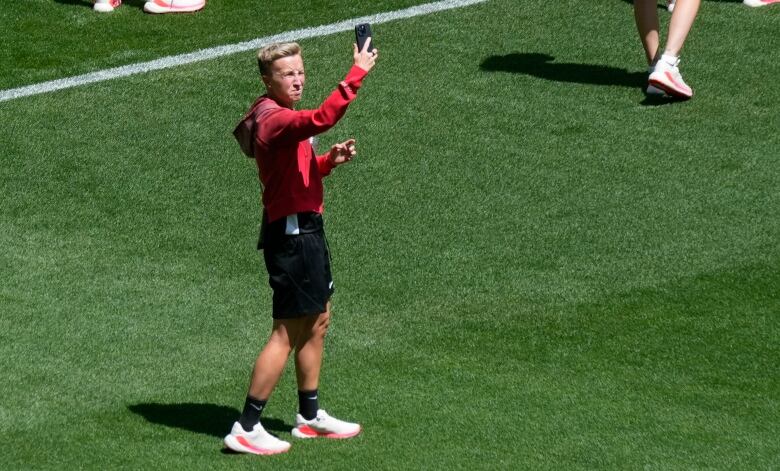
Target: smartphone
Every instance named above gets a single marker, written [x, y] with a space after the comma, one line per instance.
[362, 32]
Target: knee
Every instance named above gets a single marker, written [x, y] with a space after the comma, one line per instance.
[280, 341]
[279, 347]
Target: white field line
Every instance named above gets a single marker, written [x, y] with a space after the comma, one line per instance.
[214, 52]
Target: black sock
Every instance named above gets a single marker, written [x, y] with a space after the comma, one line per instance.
[308, 404]
[251, 414]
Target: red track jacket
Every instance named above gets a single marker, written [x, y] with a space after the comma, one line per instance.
[278, 139]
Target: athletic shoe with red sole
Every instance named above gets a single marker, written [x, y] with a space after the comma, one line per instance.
[174, 6]
[106, 6]
[667, 77]
[651, 90]
[256, 442]
[760, 3]
[324, 426]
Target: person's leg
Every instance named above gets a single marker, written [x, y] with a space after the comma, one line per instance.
[248, 434]
[682, 20]
[308, 362]
[271, 361]
[666, 74]
[308, 350]
[312, 421]
[646, 17]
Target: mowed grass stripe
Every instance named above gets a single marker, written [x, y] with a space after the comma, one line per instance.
[215, 52]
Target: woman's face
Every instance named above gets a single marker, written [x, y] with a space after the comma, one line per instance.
[285, 80]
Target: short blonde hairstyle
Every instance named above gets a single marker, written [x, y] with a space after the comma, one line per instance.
[267, 55]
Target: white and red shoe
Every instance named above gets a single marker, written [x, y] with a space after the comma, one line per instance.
[670, 5]
[667, 77]
[256, 442]
[174, 6]
[651, 90]
[759, 3]
[324, 426]
[106, 6]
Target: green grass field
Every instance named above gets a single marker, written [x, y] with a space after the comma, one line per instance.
[536, 267]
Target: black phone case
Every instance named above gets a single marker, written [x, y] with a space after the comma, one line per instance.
[362, 32]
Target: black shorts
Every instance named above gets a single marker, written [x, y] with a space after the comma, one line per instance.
[298, 267]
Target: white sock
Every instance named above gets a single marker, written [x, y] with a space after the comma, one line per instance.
[670, 59]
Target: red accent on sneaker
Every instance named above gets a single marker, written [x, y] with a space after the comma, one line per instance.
[675, 92]
[308, 431]
[253, 449]
[685, 89]
[343, 435]
[169, 4]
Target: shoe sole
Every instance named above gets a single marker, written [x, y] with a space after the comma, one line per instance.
[670, 89]
[754, 5]
[241, 445]
[673, 92]
[153, 7]
[654, 91]
[305, 432]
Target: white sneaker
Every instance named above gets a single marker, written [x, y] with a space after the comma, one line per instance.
[667, 77]
[760, 3]
[257, 442]
[651, 89]
[654, 91]
[670, 6]
[324, 426]
[106, 6]
[173, 6]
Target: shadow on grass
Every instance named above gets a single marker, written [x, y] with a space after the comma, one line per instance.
[208, 419]
[657, 100]
[661, 5]
[544, 67]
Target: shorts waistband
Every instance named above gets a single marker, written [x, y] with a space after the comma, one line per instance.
[291, 225]
[302, 223]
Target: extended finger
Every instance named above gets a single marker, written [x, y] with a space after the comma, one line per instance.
[367, 44]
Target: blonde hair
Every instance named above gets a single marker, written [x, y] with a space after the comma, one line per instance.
[267, 55]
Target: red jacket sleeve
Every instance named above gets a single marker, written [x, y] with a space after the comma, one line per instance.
[286, 125]
[324, 165]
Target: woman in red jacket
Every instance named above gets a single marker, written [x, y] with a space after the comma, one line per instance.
[279, 137]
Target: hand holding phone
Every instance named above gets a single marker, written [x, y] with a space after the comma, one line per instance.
[365, 54]
[362, 33]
